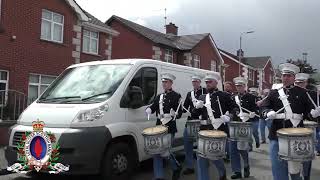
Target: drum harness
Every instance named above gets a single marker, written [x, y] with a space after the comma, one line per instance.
[288, 114]
[216, 122]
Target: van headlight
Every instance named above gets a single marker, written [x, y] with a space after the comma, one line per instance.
[91, 114]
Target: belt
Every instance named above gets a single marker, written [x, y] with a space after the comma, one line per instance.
[284, 116]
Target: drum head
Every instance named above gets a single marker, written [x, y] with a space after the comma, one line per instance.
[312, 123]
[193, 121]
[212, 133]
[155, 130]
[295, 131]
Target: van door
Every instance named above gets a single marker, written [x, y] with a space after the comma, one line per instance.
[145, 81]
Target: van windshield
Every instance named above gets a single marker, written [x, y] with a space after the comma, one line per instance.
[85, 84]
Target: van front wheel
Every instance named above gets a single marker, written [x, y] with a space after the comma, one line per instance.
[118, 163]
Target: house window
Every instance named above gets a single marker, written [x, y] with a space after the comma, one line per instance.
[168, 56]
[263, 77]
[213, 65]
[4, 77]
[90, 42]
[37, 85]
[196, 61]
[271, 79]
[52, 26]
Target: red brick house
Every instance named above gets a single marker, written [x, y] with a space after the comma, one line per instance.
[39, 39]
[136, 41]
[258, 70]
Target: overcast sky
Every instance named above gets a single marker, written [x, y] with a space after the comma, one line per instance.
[283, 28]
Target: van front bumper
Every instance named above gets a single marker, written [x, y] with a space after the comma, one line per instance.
[81, 148]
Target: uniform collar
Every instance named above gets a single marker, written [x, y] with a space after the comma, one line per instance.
[168, 91]
[213, 90]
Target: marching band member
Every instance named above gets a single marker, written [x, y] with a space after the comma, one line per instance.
[247, 101]
[255, 122]
[301, 80]
[215, 108]
[166, 107]
[295, 104]
[189, 104]
[263, 123]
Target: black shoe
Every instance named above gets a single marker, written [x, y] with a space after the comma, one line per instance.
[318, 153]
[263, 142]
[236, 175]
[246, 172]
[176, 173]
[257, 145]
[188, 171]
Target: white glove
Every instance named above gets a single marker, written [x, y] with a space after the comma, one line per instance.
[252, 115]
[225, 118]
[315, 113]
[148, 111]
[199, 104]
[172, 112]
[271, 115]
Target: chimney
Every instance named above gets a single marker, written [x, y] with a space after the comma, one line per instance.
[240, 53]
[171, 29]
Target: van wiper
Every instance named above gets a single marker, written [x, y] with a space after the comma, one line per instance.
[96, 95]
[59, 98]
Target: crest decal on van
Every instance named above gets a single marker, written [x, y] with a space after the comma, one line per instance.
[38, 150]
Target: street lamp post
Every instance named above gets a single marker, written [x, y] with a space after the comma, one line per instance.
[240, 50]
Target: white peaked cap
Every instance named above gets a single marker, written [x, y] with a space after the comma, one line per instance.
[300, 77]
[254, 89]
[212, 76]
[167, 76]
[196, 77]
[240, 81]
[288, 68]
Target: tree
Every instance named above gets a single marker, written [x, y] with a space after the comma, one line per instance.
[305, 67]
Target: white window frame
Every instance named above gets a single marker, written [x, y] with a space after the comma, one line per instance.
[90, 38]
[168, 55]
[52, 26]
[271, 79]
[213, 66]
[6, 89]
[196, 61]
[263, 77]
[39, 84]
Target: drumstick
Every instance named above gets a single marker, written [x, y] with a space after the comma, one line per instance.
[249, 111]
[282, 108]
[148, 117]
[314, 104]
[186, 109]
[176, 113]
[219, 105]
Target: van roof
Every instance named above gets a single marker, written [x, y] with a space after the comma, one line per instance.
[136, 62]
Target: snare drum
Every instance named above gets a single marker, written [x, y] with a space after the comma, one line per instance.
[212, 144]
[296, 144]
[312, 125]
[240, 131]
[156, 140]
[192, 127]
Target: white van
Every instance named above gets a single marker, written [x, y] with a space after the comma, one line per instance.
[97, 125]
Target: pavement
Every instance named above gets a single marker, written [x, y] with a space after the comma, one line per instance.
[259, 164]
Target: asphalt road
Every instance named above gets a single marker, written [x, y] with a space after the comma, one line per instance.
[259, 162]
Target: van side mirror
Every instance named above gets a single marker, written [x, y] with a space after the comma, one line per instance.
[135, 97]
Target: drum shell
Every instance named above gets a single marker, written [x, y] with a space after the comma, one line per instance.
[212, 148]
[240, 131]
[192, 128]
[312, 125]
[157, 143]
[290, 147]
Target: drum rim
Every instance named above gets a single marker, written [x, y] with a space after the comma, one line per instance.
[159, 133]
[239, 122]
[193, 120]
